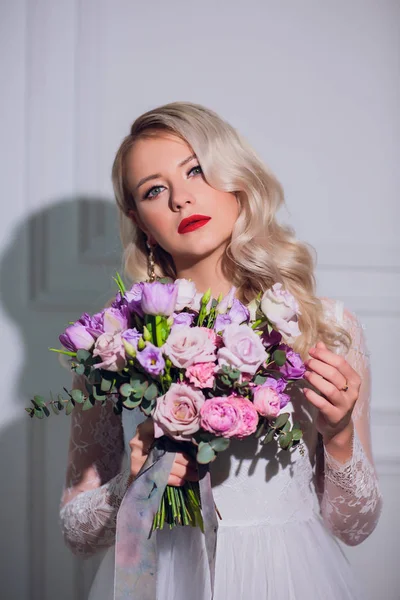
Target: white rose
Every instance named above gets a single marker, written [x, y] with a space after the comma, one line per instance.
[281, 308]
[186, 294]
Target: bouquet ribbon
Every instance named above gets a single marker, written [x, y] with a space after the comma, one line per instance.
[135, 573]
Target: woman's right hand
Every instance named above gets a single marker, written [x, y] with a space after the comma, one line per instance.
[183, 469]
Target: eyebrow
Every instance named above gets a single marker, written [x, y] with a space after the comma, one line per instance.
[156, 175]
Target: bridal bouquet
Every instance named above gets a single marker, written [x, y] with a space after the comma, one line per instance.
[204, 369]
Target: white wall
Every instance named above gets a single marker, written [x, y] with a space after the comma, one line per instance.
[314, 86]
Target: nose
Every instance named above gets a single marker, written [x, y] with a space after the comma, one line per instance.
[180, 198]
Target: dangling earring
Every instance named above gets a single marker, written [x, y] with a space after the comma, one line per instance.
[150, 263]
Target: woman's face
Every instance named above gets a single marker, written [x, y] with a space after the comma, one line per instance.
[167, 183]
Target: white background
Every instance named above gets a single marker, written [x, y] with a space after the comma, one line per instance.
[314, 86]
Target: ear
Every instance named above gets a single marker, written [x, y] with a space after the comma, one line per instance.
[136, 219]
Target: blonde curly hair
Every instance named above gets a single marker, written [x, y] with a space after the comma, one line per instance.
[261, 251]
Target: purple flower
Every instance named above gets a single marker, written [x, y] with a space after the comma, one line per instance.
[76, 337]
[132, 336]
[296, 369]
[159, 298]
[239, 313]
[94, 324]
[183, 318]
[221, 322]
[277, 384]
[271, 339]
[133, 298]
[226, 302]
[151, 359]
[115, 319]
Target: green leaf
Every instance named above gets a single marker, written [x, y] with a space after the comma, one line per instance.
[286, 427]
[297, 434]
[106, 385]
[152, 392]
[88, 404]
[78, 396]
[30, 411]
[219, 444]
[259, 380]
[279, 357]
[69, 407]
[40, 401]
[205, 453]
[46, 411]
[54, 408]
[38, 413]
[147, 408]
[285, 440]
[97, 396]
[126, 390]
[130, 403]
[269, 437]
[82, 355]
[281, 420]
[80, 369]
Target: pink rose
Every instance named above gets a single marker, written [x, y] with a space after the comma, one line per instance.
[177, 413]
[243, 349]
[220, 416]
[201, 374]
[248, 416]
[267, 401]
[186, 346]
[109, 347]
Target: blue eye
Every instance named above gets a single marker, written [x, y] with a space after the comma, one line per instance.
[158, 187]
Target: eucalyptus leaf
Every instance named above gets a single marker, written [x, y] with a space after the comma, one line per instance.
[259, 380]
[297, 434]
[286, 427]
[130, 403]
[40, 401]
[88, 404]
[269, 437]
[55, 408]
[279, 357]
[105, 385]
[80, 369]
[38, 413]
[98, 396]
[82, 355]
[285, 440]
[126, 390]
[151, 392]
[46, 411]
[219, 444]
[281, 420]
[69, 407]
[205, 453]
[78, 396]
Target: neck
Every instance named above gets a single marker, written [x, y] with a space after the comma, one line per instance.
[207, 273]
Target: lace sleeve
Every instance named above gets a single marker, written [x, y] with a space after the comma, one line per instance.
[351, 500]
[95, 484]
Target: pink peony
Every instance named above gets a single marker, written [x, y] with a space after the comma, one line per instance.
[220, 416]
[186, 346]
[177, 413]
[248, 416]
[201, 374]
[243, 349]
[267, 401]
[109, 347]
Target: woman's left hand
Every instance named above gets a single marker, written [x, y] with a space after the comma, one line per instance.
[329, 374]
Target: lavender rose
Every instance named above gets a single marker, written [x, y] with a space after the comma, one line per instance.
[183, 318]
[296, 369]
[110, 349]
[238, 313]
[243, 349]
[159, 298]
[188, 345]
[177, 413]
[76, 337]
[151, 359]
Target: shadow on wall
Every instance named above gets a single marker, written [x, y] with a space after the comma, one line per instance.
[59, 264]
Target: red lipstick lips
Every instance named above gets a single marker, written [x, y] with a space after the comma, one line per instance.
[193, 222]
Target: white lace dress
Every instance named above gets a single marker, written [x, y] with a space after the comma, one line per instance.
[281, 513]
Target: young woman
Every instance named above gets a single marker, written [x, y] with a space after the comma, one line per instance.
[281, 513]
